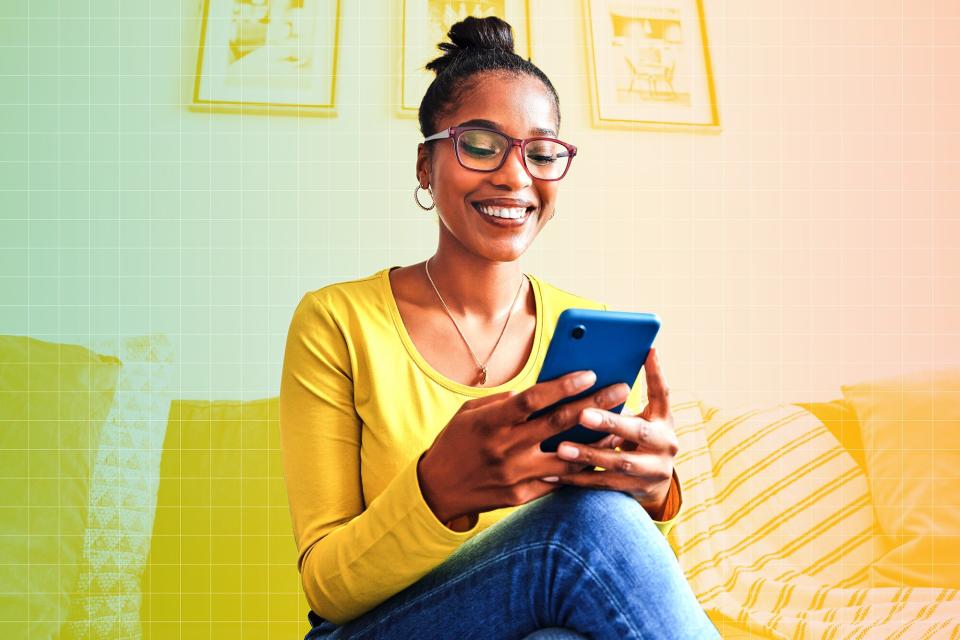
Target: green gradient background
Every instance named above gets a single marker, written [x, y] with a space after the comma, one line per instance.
[125, 214]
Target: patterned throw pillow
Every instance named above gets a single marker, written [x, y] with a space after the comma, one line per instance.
[123, 493]
[774, 508]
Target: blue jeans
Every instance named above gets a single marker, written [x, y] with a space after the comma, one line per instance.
[581, 562]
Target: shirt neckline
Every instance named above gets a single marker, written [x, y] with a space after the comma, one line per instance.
[427, 368]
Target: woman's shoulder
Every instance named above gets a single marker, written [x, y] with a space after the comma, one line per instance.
[347, 295]
[351, 308]
[559, 298]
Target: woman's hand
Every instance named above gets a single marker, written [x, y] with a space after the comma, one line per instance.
[488, 456]
[644, 465]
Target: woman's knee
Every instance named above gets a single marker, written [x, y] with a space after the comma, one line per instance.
[587, 521]
[589, 509]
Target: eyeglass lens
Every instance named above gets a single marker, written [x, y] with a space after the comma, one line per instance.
[483, 150]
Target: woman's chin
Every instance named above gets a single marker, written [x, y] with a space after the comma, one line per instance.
[509, 247]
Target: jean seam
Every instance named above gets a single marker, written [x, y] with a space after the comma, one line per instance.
[587, 569]
[498, 558]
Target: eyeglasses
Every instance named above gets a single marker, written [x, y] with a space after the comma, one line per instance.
[480, 149]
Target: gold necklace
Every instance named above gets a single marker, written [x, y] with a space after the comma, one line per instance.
[483, 367]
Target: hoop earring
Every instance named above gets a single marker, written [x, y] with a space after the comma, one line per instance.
[416, 196]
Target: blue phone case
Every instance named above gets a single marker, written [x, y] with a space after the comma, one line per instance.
[613, 344]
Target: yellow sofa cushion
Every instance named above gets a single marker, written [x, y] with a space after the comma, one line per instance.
[222, 562]
[910, 427]
[53, 401]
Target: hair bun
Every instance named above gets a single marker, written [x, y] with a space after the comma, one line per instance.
[474, 35]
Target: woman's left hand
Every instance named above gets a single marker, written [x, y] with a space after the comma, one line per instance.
[644, 465]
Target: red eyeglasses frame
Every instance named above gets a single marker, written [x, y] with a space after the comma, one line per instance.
[454, 134]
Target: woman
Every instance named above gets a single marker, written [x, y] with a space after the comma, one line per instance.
[392, 499]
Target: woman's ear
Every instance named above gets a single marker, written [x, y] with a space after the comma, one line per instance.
[423, 165]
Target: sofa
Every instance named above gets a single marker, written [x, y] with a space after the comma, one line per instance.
[129, 513]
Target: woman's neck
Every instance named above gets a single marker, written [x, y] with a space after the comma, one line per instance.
[476, 287]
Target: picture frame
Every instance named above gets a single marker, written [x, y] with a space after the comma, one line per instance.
[268, 56]
[425, 25]
[650, 65]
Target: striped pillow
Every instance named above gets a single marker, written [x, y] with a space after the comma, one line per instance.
[770, 496]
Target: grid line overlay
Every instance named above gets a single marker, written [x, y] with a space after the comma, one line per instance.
[809, 244]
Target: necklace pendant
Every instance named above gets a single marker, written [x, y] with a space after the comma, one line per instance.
[483, 375]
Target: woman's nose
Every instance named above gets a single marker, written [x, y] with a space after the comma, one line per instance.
[512, 172]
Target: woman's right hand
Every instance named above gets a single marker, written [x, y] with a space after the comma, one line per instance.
[488, 456]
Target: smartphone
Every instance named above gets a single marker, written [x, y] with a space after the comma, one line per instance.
[613, 344]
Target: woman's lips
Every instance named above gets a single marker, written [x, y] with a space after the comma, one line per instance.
[504, 202]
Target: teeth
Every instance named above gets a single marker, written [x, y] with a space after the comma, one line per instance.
[504, 212]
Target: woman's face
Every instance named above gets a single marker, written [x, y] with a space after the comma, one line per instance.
[521, 107]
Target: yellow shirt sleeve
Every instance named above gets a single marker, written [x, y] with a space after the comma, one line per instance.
[351, 558]
[674, 506]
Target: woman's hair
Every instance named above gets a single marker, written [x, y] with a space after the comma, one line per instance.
[476, 45]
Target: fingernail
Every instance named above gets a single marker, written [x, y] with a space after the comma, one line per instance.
[550, 478]
[566, 451]
[587, 378]
[592, 418]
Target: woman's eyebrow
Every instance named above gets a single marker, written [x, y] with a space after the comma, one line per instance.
[490, 124]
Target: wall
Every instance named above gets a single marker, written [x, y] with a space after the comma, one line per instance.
[812, 242]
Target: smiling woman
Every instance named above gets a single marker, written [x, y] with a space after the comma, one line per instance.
[404, 404]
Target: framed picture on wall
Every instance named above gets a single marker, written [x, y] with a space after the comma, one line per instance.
[268, 55]
[426, 23]
[650, 64]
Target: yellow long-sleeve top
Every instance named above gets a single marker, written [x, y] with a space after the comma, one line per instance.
[358, 406]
